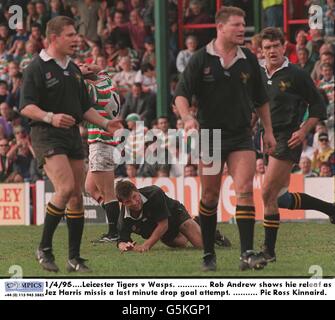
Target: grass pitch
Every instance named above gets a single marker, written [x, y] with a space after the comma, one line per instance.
[300, 246]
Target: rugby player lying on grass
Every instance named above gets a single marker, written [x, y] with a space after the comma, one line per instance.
[150, 213]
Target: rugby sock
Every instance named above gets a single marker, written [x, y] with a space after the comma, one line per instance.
[218, 236]
[75, 223]
[208, 221]
[112, 211]
[271, 226]
[52, 219]
[245, 218]
[297, 200]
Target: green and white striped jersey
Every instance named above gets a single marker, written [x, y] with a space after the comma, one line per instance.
[107, 103]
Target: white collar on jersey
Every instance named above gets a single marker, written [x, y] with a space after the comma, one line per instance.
[127, 212]
[285, 64]
[239, 54]
[46, 57]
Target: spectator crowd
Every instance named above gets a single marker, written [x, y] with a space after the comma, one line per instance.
[118, 36]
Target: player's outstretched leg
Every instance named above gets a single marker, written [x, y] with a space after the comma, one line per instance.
[298, 200]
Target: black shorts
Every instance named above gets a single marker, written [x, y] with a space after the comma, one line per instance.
[181, 215]
[48, 141]
[225, 143]
[283, 152]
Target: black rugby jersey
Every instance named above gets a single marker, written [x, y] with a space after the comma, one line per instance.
[226, 97]
[291, 91]
[54, 89]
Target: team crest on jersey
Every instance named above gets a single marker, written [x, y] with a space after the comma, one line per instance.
[48, 75]
[78, 77]
[207, 70]
[245, 77]
[283, 86]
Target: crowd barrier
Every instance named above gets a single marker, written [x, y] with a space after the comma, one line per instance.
[14, 204]
[24, 204]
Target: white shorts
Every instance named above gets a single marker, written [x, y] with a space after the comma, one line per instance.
[101, 157]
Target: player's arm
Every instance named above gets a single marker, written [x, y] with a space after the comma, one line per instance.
[124, 242]
[88, 99]
[183, 108]
[159, 206]
[33, 112]
[91, 115]
[262, 107]
[298, 136]
[316, 108]
[59, 120]
[186, 88]
[159, 231]
[94, 68]
[263, 112]
[30, 99]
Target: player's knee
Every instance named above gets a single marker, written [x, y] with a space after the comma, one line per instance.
[244, 187]
[188, 225]
[245, 191]
[178, 242]
[285, 201]
[76, 200]
[210, 198]
[65, 192]
[182, 243]
[269, 194]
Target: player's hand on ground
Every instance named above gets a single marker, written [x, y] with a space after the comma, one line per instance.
[141, 248]
[269, 142]
[114, 125]
[61, 120]
[126, 246]
[296, 139]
